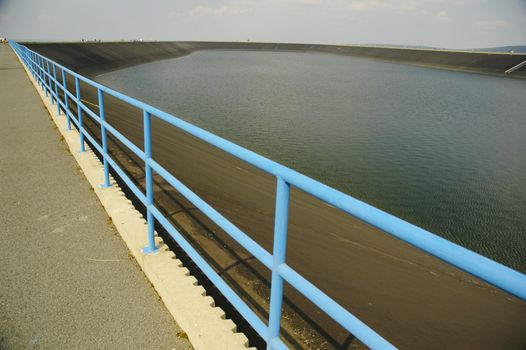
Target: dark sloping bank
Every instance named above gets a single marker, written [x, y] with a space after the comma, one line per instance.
[96, 58]
[409, 297]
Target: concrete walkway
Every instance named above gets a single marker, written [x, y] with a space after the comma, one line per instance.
[66, 279]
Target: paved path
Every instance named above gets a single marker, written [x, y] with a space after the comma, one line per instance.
[66, 280]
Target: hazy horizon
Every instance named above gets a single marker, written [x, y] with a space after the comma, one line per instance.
[504, 48]
[455, 24]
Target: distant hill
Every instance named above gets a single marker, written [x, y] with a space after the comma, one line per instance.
[516, 48]
[404, 46]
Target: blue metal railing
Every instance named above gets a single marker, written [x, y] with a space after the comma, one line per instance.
[494, 273]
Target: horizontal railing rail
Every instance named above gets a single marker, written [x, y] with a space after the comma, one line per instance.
[45, 73]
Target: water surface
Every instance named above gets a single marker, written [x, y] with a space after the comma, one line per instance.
[443, 150]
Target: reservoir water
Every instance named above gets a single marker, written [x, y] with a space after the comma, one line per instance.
[443, 150]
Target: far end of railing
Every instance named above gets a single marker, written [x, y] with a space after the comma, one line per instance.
[46, 73]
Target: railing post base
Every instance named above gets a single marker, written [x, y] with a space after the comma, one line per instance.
[147, 250]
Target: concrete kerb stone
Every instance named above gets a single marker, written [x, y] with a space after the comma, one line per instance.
[194, 311]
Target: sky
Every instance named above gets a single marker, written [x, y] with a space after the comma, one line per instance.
[436, 23]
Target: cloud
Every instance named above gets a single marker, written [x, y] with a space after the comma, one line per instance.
[222, 11]
[311, 2]
[370, 5]
[493, 24]
[442, 15]
[358, 6]
[325, 7]
[43, 17]
[418, 7]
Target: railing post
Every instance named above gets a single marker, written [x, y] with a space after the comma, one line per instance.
[102, 115]
[79, 115]
[279, 254]
[66, 98]
[37, 67]
[53, 100]
[44, 77]
[32, 63]
[37, 71]
[40, 72]
[48, 81]
[32, 57]
[56, 87]
[20, 53]
[151, 248]
[23, 53]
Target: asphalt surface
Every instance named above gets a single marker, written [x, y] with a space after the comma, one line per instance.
[66, 279]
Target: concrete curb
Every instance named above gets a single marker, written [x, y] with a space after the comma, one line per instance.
[192, 309]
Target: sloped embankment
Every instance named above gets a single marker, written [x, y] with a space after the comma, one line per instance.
[95, 58]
